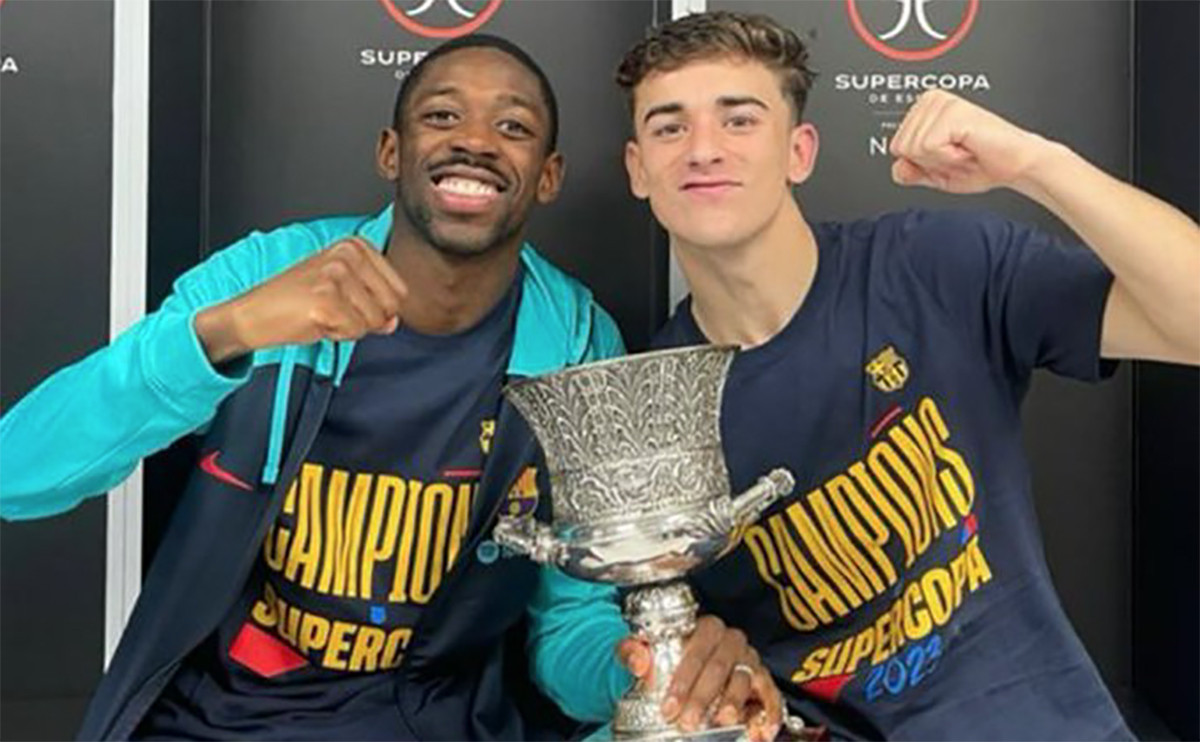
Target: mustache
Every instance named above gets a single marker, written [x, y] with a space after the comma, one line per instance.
[468, 160]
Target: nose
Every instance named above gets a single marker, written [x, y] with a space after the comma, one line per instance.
[704, 144]
[475, 137]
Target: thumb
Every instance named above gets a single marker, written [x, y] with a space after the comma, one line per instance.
[907, 173]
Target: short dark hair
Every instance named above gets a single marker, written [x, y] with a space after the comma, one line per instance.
[475, 41]
[718, 34]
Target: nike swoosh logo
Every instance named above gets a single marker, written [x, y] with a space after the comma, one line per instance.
[209, 465]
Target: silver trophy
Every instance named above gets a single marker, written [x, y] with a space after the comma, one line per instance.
[641, 497]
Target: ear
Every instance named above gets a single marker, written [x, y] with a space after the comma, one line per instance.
[802, 152]
[387, 155]
[637, 173]
[554, 170]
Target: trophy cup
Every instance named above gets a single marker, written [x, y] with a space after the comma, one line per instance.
[641, 497]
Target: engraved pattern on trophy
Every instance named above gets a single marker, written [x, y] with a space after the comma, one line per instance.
[612, 430]
[641, 497]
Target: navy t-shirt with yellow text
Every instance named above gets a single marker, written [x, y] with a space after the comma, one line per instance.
[368, 529]
[901, 591]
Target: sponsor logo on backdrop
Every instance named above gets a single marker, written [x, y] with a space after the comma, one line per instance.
[904, 34]
[910, 35]
[436, 20]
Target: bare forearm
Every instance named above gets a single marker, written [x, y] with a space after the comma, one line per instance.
[1152, 248]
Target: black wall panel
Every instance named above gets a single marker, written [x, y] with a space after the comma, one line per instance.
[1166, 557]
[55, 157]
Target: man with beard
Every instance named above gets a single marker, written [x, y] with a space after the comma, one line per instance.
[901, 591]
[328, 573]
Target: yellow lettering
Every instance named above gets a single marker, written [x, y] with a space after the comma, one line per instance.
[335, 500]
[437, 502]
[835, 571]
[399, 593]
[815, 591]
[338, 644]
[766, 559]
[368, 643]
[938, 590]
[397, 641]
[811, 666]
[864, 643]
[306, 546]
[347, 573]
[910, 491]
[841, 488]
[916, 617]
[374, 550]
[935, 427]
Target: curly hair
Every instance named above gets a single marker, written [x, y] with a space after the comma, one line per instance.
[718, 34]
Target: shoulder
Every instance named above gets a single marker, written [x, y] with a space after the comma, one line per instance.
[915, 229]
[929, 242]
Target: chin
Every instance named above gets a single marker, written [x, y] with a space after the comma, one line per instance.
[715, 237]
[463, 243]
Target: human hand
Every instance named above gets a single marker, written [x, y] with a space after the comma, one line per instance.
[344, 292]
[721, 674]
[950, 144]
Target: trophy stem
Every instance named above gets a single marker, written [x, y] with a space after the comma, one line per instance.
[663, 616]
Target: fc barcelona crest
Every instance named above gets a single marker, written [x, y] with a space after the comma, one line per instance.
[888, 370]
[523, 495]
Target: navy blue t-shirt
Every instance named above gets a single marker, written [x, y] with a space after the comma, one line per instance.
[370, 526]
[901, 591]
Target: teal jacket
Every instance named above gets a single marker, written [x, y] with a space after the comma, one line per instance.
[83, 430]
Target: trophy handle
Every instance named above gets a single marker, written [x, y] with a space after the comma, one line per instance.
[746, 507]
[530, 538]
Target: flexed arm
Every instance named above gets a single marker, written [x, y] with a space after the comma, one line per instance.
[1152, 249]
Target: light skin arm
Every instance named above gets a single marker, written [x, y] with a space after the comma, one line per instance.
[1153, 249]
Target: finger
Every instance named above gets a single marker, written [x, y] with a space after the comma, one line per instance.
[700, 646]
[385, 269]
[767, 694]
[908, 173]
[636, 657]
[733, 700]
[382, 282]
[335, 318]
[901, 142]
[354, 291]
[382, 294]
[928, 135]
[712, 679]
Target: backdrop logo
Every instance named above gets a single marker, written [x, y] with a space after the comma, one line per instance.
[904, 30]
[441, 19]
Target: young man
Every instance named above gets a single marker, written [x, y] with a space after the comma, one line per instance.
[328, 573]
[901, 592]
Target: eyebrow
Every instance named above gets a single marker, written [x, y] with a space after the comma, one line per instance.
[508, 99]
[520, 101]
[724, 101]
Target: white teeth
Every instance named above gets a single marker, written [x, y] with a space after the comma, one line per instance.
[466, 187]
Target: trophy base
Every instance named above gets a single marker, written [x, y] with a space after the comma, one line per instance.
[671, 734]
[664, 615]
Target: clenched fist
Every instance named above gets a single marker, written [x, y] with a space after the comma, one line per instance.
[342, 293]
[953, 145]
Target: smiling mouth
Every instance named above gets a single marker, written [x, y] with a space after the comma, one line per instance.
[710, 185]
[458, 185]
